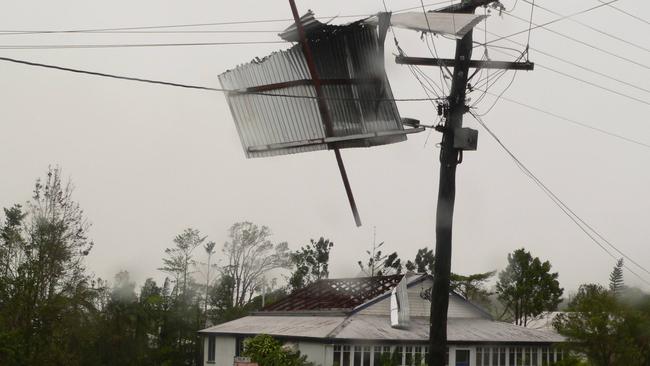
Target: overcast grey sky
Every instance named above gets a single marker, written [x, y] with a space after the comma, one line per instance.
[149, 161]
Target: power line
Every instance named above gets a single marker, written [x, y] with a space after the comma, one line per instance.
[592, 233]
[627, 13]
[199, 87]
[207, 24]
[574, 40]
[169, 32]
[558, 19]
[568, 62]
[591, 27]
[132, 45]
[562, 73]
[567, 119]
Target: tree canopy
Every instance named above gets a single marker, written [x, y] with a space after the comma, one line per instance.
[310, 263]
[527, 287]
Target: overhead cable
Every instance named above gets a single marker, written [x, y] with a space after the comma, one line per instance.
[199, 87]
[587, 44]
[627, 13]
[567, 119]
[556, 20]
[591, 83]
[132, 45]
[580, 66]
[588, 229]
[206, 24]
[590, 27]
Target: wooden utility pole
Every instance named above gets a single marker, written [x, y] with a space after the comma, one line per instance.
[450, 155]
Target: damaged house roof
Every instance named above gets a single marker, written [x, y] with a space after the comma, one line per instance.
[358, 311]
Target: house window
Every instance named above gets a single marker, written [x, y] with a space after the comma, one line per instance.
[366, 356]
[337, 355]
[526, 357]
[545, 356]
[511, 358]
[400, 354]
[483, 356]
[486, 357]
[346, 356]
[357, 356]
[533, 356]
[418, 358]
[376, 357]
[559, 355]
[499, 356]
[211, 348]
[462, 357]
[239, 346]
[408, 356]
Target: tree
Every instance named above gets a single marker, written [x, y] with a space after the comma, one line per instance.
[616, 282]
[423, 262]
[379, 264]
[527, 287]
[472, 287]
[595, 326]
[250, 254]
[310, 263]
[209, 250]
[180, 260]
[46, 299]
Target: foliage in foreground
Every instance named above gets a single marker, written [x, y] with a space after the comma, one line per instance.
[267, 351]
[609, 330]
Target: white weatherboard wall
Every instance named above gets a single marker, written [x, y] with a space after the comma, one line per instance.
[315, 352]
[420, 307]
[224, 351]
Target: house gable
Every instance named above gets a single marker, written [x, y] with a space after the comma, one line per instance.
[421, 307]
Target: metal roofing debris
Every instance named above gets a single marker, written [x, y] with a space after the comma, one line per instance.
[350, 63]
[399, 306]
[336, 294]
[309, 24]
[453, 24]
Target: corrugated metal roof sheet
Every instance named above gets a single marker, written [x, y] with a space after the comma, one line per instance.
[350, 62]
[453, 24]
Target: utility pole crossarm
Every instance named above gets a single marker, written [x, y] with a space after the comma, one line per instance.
[474, 64]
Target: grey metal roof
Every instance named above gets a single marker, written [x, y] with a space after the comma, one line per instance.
[283, 326]
[377, 328]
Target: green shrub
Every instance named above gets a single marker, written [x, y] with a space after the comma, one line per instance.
[267, 351]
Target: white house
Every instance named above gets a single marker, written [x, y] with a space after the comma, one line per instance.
[347, 322]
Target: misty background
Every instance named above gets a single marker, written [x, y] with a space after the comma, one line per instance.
[148, 161]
